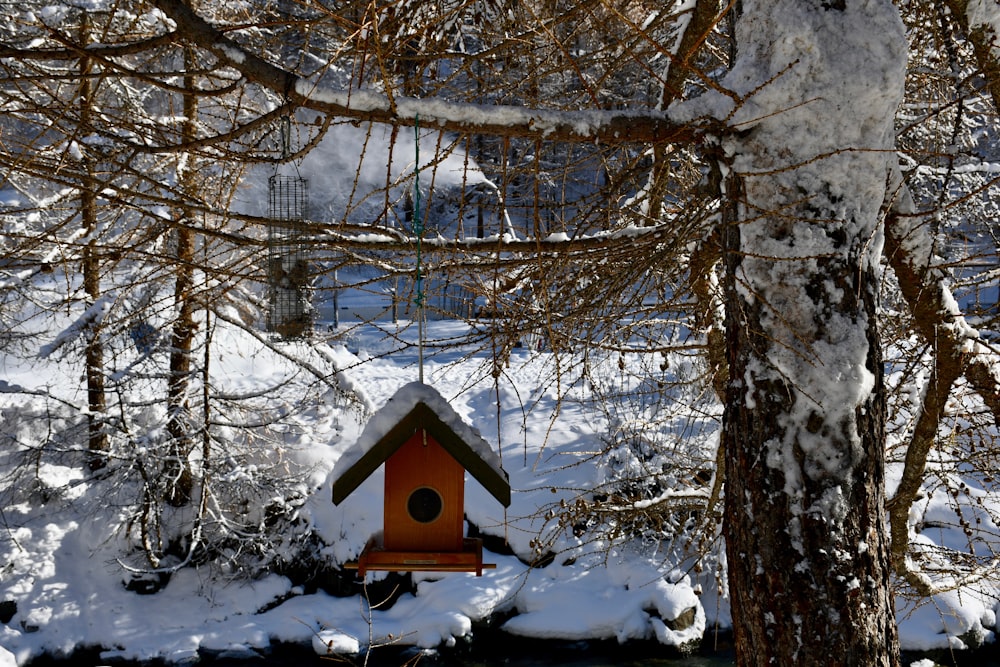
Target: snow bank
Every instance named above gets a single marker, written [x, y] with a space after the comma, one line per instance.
[623, 601]
[61, 553]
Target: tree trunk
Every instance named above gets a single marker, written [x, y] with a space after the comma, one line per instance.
[177, 469]
[806, 546]
[805, 408]
[97, 437]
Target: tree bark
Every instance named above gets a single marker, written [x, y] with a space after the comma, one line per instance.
[177, 469]
[804, 586]
[97, 437]
[807, 550]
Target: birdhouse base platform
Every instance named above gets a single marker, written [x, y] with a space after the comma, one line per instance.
[469, 559]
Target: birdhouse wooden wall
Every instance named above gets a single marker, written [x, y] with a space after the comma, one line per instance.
[424, 497]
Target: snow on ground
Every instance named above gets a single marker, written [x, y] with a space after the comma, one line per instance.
[59, 554]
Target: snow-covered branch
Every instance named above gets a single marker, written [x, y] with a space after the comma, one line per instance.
[936, 314]
[89, 320]
[608, 127]
[980, 20]
[958, 349]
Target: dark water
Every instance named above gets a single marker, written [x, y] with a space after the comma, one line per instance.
[509, 652]
[580, 656]
[505, 652]
[576, 655]
[512, 652]
[607, 661]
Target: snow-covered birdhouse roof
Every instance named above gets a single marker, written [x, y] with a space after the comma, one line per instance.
[415, 406]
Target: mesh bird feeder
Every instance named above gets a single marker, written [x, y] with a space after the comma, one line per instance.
[290, 311]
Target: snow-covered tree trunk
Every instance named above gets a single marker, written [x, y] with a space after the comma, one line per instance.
[804, 423]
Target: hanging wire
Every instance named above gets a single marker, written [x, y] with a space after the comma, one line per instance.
[418, 231]
[286, 137]
[285, 128]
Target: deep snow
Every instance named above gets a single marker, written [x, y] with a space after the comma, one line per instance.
[61, 557]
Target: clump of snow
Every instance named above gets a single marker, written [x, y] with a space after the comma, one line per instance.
[335, 642]
[953, 619]
[232, 53]
[90, 319]
[400, 405]
[623, 601]
[985, 14]
[815, 103]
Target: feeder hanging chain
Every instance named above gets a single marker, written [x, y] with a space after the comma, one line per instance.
[418, 223]
[286, 137]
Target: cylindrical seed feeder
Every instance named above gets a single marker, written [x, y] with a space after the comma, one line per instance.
[290, 311]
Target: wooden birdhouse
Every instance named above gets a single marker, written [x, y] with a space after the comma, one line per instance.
[426, 449]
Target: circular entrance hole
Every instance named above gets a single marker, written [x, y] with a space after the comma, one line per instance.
[424, 504]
